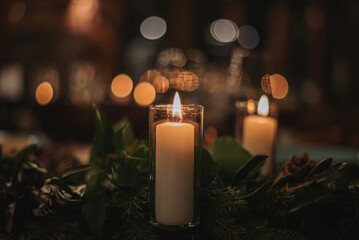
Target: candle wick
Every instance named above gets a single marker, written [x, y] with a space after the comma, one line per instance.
[176, 118]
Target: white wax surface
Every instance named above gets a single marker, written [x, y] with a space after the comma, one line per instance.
[258, 137]
[174, 188]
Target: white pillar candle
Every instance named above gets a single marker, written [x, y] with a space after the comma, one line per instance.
[259, 134]
[174, 187]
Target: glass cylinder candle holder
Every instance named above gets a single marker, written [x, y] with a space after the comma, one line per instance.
[175, 145]
[256, 127]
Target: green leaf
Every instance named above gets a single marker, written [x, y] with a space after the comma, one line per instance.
[94, 211]
[259, 193]
[306, 196]
[281, 182]
[126, 136]
[119, 141]
[207, 164]
[246, 169]
[141, 156]
[102, 141]
[94, 183]
[75, 169]
[230, 156]
[124, 173]
[142, 151]
[321, 166]
[299, 175]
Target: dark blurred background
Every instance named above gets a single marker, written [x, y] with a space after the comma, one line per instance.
[59, 56]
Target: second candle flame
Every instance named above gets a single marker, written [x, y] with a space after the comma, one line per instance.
[176, 112]
[263, 106]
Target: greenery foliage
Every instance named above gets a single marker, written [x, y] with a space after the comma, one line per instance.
[110, 197]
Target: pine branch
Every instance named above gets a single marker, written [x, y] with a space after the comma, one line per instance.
[265, 233]
[226, 228]
[230, 207]
[53, 227]
[139, 231]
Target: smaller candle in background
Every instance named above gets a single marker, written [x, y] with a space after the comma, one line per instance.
[259, 134]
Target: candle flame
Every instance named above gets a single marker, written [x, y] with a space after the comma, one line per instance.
[176, 112]
[263, 106]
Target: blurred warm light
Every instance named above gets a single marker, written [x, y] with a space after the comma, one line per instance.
[11, 82]
[276, 85]
[161, 84]
[251, 106]
[17, 11]
[86, 84]
[172, 57]
[279, 86]
[44, 93]
[121, 86]
[153, 28]
[224, 30]
[144, 93]
[172, 75]
[265, 83]
[214, 81]
[81, 14]
[263, 106]
[248, 37]
[186, 81]
[149, 76]
[46, 74]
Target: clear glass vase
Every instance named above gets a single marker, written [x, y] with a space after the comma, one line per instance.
[175, 146]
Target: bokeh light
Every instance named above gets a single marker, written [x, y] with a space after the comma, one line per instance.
[188, 81]
[86, 84]
[161, 84]
[121, 86]
[82, 14]
[150, 76]
[224, 30]
[275, 85]
[173, 57]
[153, 28]
[50, 75]
[144, 93]
[182, 79]
[279, 86]
[248, 37]
[11, 82]
[265, 83]
[44, 93]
